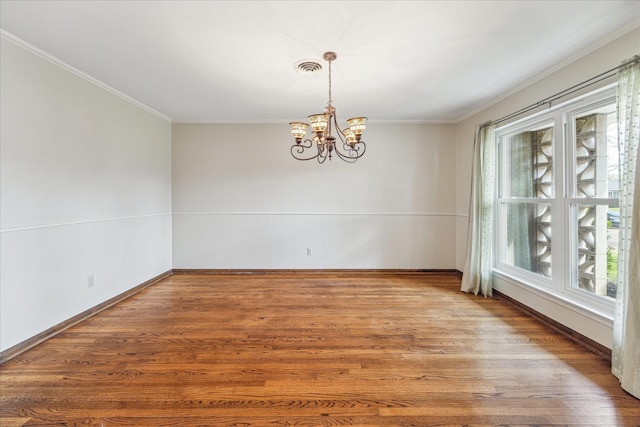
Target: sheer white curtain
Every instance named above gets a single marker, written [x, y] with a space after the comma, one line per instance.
[477, 267]
[626, 330]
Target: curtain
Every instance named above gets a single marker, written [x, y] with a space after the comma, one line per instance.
[626, 329]
[479, 260]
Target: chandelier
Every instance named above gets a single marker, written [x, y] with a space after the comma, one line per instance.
[347, 146]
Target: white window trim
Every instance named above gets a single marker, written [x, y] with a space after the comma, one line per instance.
[600, 316]
[582, 302]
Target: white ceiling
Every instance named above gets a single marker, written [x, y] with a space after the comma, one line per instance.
[233, 61]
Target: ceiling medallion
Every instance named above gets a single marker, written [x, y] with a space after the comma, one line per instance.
[347, 146]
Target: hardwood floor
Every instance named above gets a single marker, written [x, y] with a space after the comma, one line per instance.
[311, 350]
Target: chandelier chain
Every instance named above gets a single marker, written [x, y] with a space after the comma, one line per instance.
[330, 101]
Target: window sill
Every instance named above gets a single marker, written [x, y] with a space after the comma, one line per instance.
[594, 324]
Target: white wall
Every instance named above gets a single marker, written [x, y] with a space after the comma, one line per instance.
[606, 57]
[241, 201]
[85, 190]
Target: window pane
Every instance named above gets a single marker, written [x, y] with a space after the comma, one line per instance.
[597, 245]
[597, 154]
[528, 237]
[528, 164]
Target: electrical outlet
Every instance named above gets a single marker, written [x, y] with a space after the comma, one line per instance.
[308, 251]
[91, 281]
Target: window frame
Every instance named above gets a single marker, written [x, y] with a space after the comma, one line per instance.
[536, 122]
[564, 222]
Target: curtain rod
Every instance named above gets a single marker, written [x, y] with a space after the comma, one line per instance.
[568, 91]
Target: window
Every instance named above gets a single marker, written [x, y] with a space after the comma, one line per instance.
[557, 204]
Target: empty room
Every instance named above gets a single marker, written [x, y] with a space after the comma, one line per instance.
[319, 213]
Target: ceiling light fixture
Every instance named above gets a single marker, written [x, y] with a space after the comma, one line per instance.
[348, 146]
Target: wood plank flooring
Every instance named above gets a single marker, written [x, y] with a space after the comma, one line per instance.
[311, 350]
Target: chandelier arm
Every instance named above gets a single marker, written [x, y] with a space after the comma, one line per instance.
[322, 150]
[352, 152]
[345, 157]
[364, 148]
[349, 155]
[323, 153]
[340, 133]
[300, 149]
[303, 145]
[321, 159]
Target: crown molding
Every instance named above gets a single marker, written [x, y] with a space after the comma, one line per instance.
[52, 59]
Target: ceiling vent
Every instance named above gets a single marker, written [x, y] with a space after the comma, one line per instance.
[308, 67]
